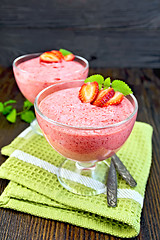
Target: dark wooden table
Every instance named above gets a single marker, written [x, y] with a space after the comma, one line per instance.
[19, 226]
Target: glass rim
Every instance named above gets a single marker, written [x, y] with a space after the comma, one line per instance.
[82, 127]
[38, 54]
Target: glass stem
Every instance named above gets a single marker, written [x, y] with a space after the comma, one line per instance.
[85, 165]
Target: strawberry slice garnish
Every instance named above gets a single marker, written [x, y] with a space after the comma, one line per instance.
[57, 53]
[50, 57]
[69, 57]
[103, 97]
[115, 100]
[88, 92]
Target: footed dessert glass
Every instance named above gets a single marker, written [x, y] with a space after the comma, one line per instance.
[29, 81]
[83, 172]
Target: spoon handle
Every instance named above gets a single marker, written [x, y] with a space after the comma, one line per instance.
[122, 170]
[112, 186]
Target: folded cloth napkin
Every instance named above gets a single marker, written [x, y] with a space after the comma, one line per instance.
[35, 189]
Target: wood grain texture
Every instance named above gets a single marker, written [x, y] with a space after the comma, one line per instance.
[102, 48]
[107, 33]
[16, 225]
[81, 14]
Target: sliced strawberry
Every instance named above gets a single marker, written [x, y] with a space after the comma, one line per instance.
[103, 97]
[88, 92]
[49, 57]
[57, 53]
[69, 57]
[116, 99]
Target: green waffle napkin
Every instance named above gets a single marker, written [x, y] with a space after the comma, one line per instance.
[34, 187]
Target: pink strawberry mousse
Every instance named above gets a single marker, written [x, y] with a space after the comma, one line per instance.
[32, 75]
[78, 142]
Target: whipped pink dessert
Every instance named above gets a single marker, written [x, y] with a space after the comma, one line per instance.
[33, 75]
[90, 133]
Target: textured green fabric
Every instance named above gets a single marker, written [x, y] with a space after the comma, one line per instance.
[34, 190]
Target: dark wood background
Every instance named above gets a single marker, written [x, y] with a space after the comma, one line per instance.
[108, 33]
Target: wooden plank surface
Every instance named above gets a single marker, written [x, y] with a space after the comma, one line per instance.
[108, 33]
[15, 225]
[81, 14]
[102, 48]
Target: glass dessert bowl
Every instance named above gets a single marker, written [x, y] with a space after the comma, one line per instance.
[79, 132]
[32, 75]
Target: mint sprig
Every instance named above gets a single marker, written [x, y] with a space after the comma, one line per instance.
[96, 78]
[122, 87]
[9, 102]
[8, 111]
[117, 85]
[11, 117]
[27, 105]
[28, 116]
[11, 114]
[1, 107]
[64, 52]
[107, 83]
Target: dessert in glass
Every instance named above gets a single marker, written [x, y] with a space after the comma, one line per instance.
[36, 71]
[83, 132]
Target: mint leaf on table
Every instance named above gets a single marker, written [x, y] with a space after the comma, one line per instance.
[27, 104]
[11, 117]
[122, 87]
[7, 109]
[64, 52]
[96, 78]
[107, 83]
[27, 116]
[1, 107]
[4, 108]
[9, 102]
[11, 114]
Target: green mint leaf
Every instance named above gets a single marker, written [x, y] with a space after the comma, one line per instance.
[100, 86]
[7, 109]
[64, 52]
[11, 117]
[96, 78]
[9, 102]
[27, 104]
[28, 116]
[122, 87]
[105, 88]
[1, 107]
[107, 82]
